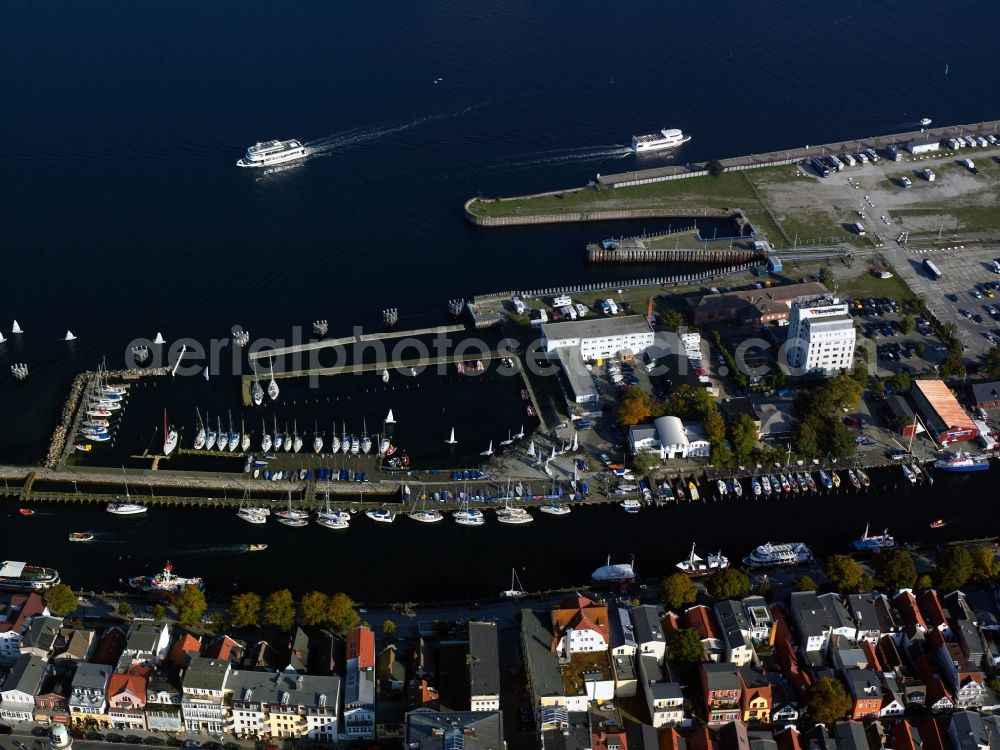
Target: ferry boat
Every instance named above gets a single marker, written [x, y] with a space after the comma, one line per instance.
[694, 565]
[963, 462]
[266, 153]
[767, 555]
[873, 542]
[19, 576]
[618, 573]
[661, 141]
[126, 509]
[81, 536]
[165, 580]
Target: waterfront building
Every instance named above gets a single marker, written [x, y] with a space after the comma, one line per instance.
[622, 633]
[923, 146]
[664, 698]
[88, 700]
[127, 700]
[17, 695]
[41, 638]
[183, 648]
[484, 667]
[21, 610]
[359, 701]
[699, 618]
[145, 645]
[600, 338]
[541, 665]
[163, 702]
[202, 690]
[282, 705]
[52, 700]
[735, 633]
[74, 646]
[648, 632]
[671, 438]
[821, 336]
[453, 730]
[579, 625]
[941, 412]
[753, 307]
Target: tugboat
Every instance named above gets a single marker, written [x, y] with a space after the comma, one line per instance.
[165, 580]
[875, 542]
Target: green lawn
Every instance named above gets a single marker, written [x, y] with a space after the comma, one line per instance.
[869, 285]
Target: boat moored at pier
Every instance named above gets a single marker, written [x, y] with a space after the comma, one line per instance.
[768, 555]
[19, 576]
[165, 580]
[962, 461]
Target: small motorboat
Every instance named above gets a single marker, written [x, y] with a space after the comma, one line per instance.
[937, 524]
[81, 536]
[256, 547]
[26, 512]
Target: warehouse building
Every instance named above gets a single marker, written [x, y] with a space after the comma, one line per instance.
[923, 146]
[600, 338]
[941, 412]
[751, 307]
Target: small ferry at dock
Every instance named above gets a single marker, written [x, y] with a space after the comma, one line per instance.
[165, 580]
[768, 555]
[19, 576]
[963, 462]
[266, 153]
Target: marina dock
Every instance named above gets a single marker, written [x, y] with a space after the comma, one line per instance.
[321, 344]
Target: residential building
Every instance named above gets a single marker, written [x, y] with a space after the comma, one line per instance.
[110, 646]
[622, 633]
[872, 616]
[74, 646]
[812, 623]
[735, 627]
[359, 701]
[933, 612]
[88, 700]
[127, 700]
[21, 610]
[866, 693]
[755, 696]
[942, 414]
[41, 637]
[967, 731]
[184, 647]
[648, 632]
[464, 730]
[560, 729]
[850, 735]
[700, 619]
[821, 336]
[52, 699]
[541, 665]
[579, 625]
[600, 338]
[626, 674]
[285, 705]
[908, 614]
[163, 702]
[722, 688]
[753, 307]
[758, 617]
[841, 622]
[145, 645]
[202, 688]
[17, 696]
[484, 667]
[986, 395]
[664, 698]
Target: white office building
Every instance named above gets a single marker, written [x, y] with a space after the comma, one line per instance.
[821, 336]
[599, 338]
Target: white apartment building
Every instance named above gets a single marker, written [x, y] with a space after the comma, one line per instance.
[821, 336]
[599, 338]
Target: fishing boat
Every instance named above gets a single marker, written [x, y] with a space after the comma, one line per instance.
[272, 386]
[222, 441]
[615, 573]
[767, 555]
[963, 461]
[169, 436]
[381, 515]
[26, 512]
[755, 486]
[863, 478]
[693, 491]
[19, 576]
[908, 473]
[874, 542]
[366, 442]
[854, 479]
[516, 590]
[939, 523]
[825, 480]
[81, 536]
[835, 478]
[201, 436]
[164, 581]
[555, 509]
[631, 505]
[694, 565]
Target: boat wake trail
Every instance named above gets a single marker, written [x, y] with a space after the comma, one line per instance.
[568, 155]
[220, 549]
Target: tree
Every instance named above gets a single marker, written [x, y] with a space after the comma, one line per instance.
[279, 610]
[61, 600]
[728, 584]
[244, 610]
[924, 581]
[901, 382]
[637, 405]
[388, 627]
[895, 569]
[840, 440]
[805, 583]
[742, 438]
[676, 590]
[844, 573]
[984, 566]
[715, 168]
[684, 648]
[159, 612]
[827, 701]
[217, 622]
[671, 319]
[954, 568]
[688, 402]
[952, 366]
[645, 461]
[714, 426]
[878, 389]
[805, 438]
[191, 605]
[827, 278]
[314, 607]
[906, 324]
[341, 615]
[124, 609]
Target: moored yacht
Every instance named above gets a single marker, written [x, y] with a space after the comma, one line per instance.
[514, 515]
[126, 509]
[381, 515]
[555, 509]
[618, 573]
[266, 153]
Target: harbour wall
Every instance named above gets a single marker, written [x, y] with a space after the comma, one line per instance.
[572, 217]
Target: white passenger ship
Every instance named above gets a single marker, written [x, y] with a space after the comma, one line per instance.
[642, 144]
[769, 554]
[272, 152]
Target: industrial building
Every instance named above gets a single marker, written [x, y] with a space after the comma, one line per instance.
[752, 307]
[941, 412]
[600, 338]
[579, 382]
[924, 146]
[821, 336]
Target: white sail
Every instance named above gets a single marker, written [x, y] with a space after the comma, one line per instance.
[451, 439]
[2, 339]
[576, 442]
[159, 338]
[69, 336]
[16, 328]
[389, 419]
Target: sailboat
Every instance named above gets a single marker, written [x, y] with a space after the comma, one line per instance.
[515, 591]
[334, 440]
[234, 437]
[245, 441]
[256, 391]
[248, 514]
[531, 448]
[289, 441]
[519, 434]
[222, 441]
[488, 451]
[317, 440]
[366, 442]
[296, 440]
[345, 441]
[451, 439]
[210, 436]
[278, 438]
[513, 515]
[466, 516]
[389, 419]
[16, 328]
[385, 376]
[201, 436]
[508, 441]
[69, 336]
[126, 508]
[381, 515]
[292, 517]
[423, 515]
[169, 436]
[332, 519]
[272, 387]
[265, 440]
[355, 445]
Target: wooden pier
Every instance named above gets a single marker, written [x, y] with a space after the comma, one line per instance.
[359, 339]
[640, 253]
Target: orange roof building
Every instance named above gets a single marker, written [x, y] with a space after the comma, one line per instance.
[186, 645]
[578, 625]
[361, 646]
[942, 414]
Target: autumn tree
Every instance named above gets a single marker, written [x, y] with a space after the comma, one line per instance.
[954, 568]
[984, 564]
[637, 405]
[388, 627]
[827, 701]
[279, 610]
[684, 648]
[124, 609]
[804, 583]
[844, 573]
[895, 569]
[341, 615]
[60, 600]
[314, 608]
[742, 438]
[191, 605]
[676, 590]
[729, 583]
[244, 610]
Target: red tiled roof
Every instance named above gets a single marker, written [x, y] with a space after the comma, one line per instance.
[186, 644]
[931, 608]
[869, 650]
[580, 613]
[702, 739]
[902, 736]
[906, 604]
[132, 682]
[700, 619]
[221, 648]
[669, 739]
[361, 646]
[110, 647]
[943, 401]
[31, 605]
[788, 739]
[670, 623]
[930, 733]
